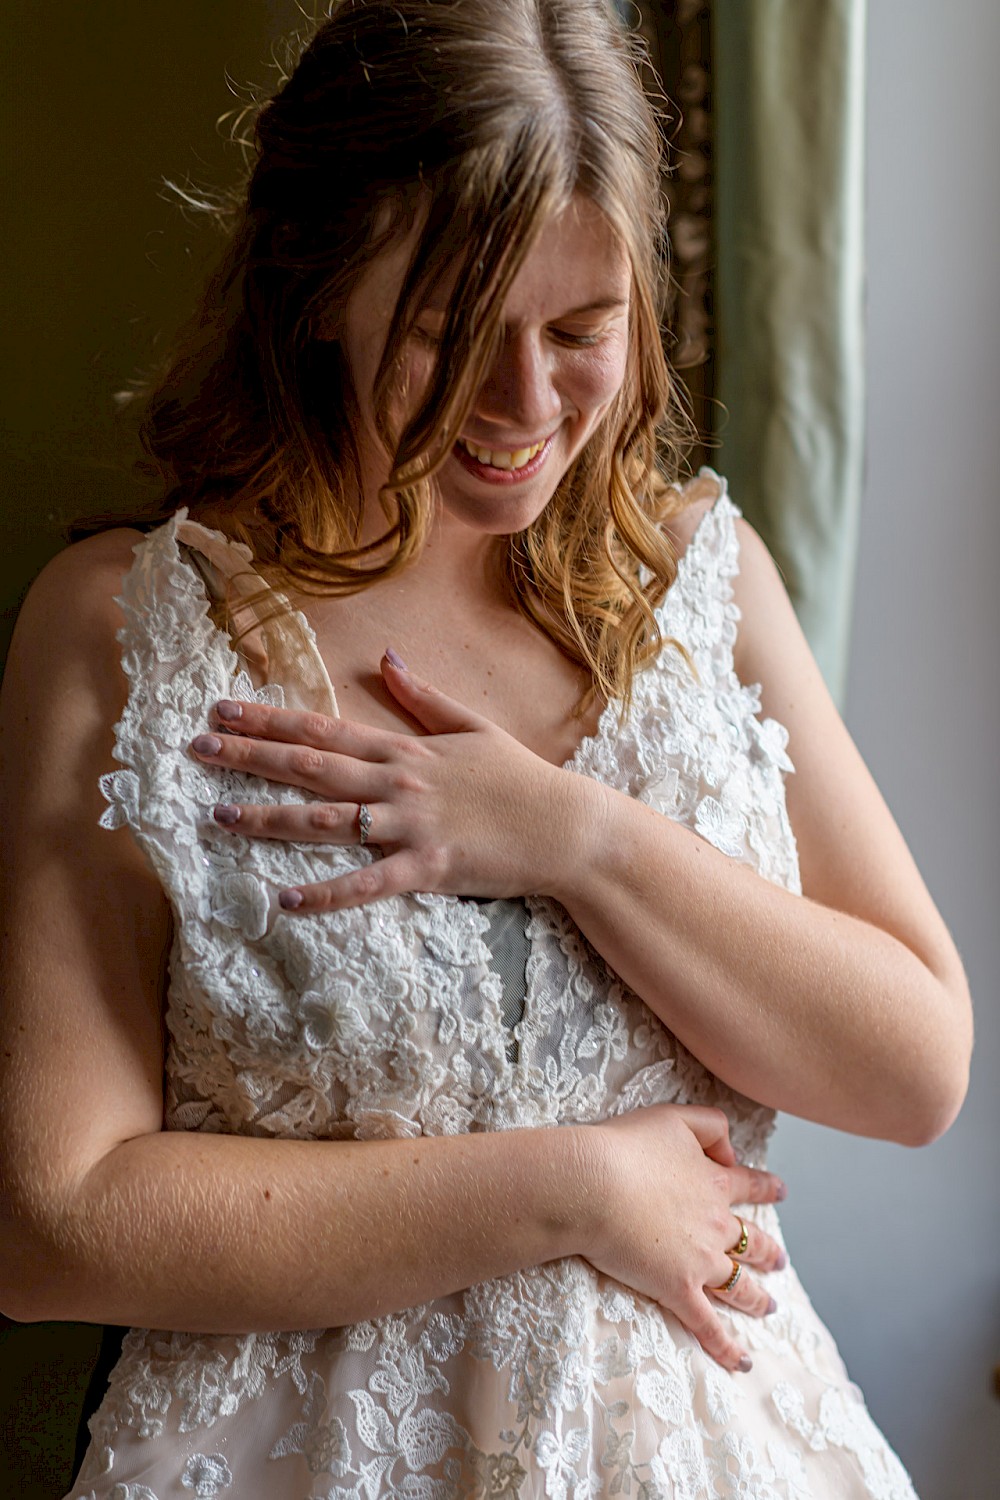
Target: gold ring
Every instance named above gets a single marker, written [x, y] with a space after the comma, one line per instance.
[737, 1273]
[740, 1248]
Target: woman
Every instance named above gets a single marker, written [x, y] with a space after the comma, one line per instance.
[416, 919]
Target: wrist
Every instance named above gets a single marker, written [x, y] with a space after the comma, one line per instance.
[577, 1199]
[574, 832]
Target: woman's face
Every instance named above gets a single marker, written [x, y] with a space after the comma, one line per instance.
[560, 362]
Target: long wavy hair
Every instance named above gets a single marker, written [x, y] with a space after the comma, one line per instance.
[474, 121]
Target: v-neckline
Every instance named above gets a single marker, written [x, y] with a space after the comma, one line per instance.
[221, 551]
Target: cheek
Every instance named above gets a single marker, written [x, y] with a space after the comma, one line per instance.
[412, 381]
[597, 378]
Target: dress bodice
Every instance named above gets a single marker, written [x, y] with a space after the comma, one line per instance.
[427, 1014]
[389, 1020]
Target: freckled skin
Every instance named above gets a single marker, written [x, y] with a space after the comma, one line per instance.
[544, 382]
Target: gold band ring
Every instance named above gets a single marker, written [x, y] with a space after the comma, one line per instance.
[740, 1248]
[728, 1285]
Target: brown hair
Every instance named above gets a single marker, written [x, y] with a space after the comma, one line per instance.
[485, 118]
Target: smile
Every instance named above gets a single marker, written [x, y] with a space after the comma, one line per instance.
[502, 464]
[500, 458]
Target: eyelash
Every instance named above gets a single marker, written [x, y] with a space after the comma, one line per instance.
[573, 340]
[577, 340]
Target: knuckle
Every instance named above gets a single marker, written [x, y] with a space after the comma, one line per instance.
[410, 749]
[720, 1182]
[306, 762]
[368, 882]
[693, 1293]
[405, 782]
[435, 859]
[316, 726]
[324, 817]
[271, 819]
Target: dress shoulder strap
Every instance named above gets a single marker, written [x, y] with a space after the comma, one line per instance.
[699, 609]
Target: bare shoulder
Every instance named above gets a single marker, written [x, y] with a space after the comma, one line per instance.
[77, 588]
[64, 688]
[698, 496]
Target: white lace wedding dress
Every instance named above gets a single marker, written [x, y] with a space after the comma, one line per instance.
[434, 1015]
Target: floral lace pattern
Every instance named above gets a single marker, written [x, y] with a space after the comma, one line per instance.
[388, 1021]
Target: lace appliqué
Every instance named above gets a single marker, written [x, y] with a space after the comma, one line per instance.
[391, 1021]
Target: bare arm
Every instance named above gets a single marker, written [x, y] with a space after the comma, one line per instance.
[106, 1217]
[850, 1006]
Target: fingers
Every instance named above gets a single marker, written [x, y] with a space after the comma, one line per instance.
[701, 1319]
[309, 822]
[437, 713]
[762, 1252]
[306, 766]
[745, 1293]
[711, 1130]
[295, 727]
[376, 882]
[750, 1185]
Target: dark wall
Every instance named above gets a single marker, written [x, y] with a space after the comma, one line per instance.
[99, 102]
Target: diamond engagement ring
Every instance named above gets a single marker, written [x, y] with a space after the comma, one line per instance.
[364, 823]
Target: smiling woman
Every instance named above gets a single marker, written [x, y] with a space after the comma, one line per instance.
[481, 982]
[559, 361]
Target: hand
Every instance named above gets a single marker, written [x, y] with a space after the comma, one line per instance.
[464, 809]
[667, 1183]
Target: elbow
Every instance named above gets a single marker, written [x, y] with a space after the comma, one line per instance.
[937, 1116]
[932, 1100]
[27, 1281]
[38, 1283]
[933, 1109]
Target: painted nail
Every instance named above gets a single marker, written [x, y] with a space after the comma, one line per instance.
[781, 1262]
[781, 1191]
[290, 900]
[206, 744]
[772, 1306]
[228, 710]
[226, 814]
[745, 1365]
[395, 660]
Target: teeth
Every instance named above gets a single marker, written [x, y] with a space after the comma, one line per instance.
[497, 459]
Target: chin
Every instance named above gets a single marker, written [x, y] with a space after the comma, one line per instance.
[494, 517]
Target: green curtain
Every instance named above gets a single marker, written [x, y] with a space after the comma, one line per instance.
[788, 87]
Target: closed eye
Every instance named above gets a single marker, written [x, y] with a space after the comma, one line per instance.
[576, 340]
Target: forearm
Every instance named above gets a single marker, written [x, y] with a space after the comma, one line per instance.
[227, 1234]
[797, 1005]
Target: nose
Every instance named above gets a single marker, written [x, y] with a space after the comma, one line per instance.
[519, 394]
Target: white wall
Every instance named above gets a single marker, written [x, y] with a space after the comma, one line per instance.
[901, 1250]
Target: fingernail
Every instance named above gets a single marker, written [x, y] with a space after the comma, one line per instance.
[781, 1191]
[229, 710]
[206, 744]
[225, 814]
[781, 1262]
[291, 900]
[745, 1365]
[772, 1306]
[395, 660]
